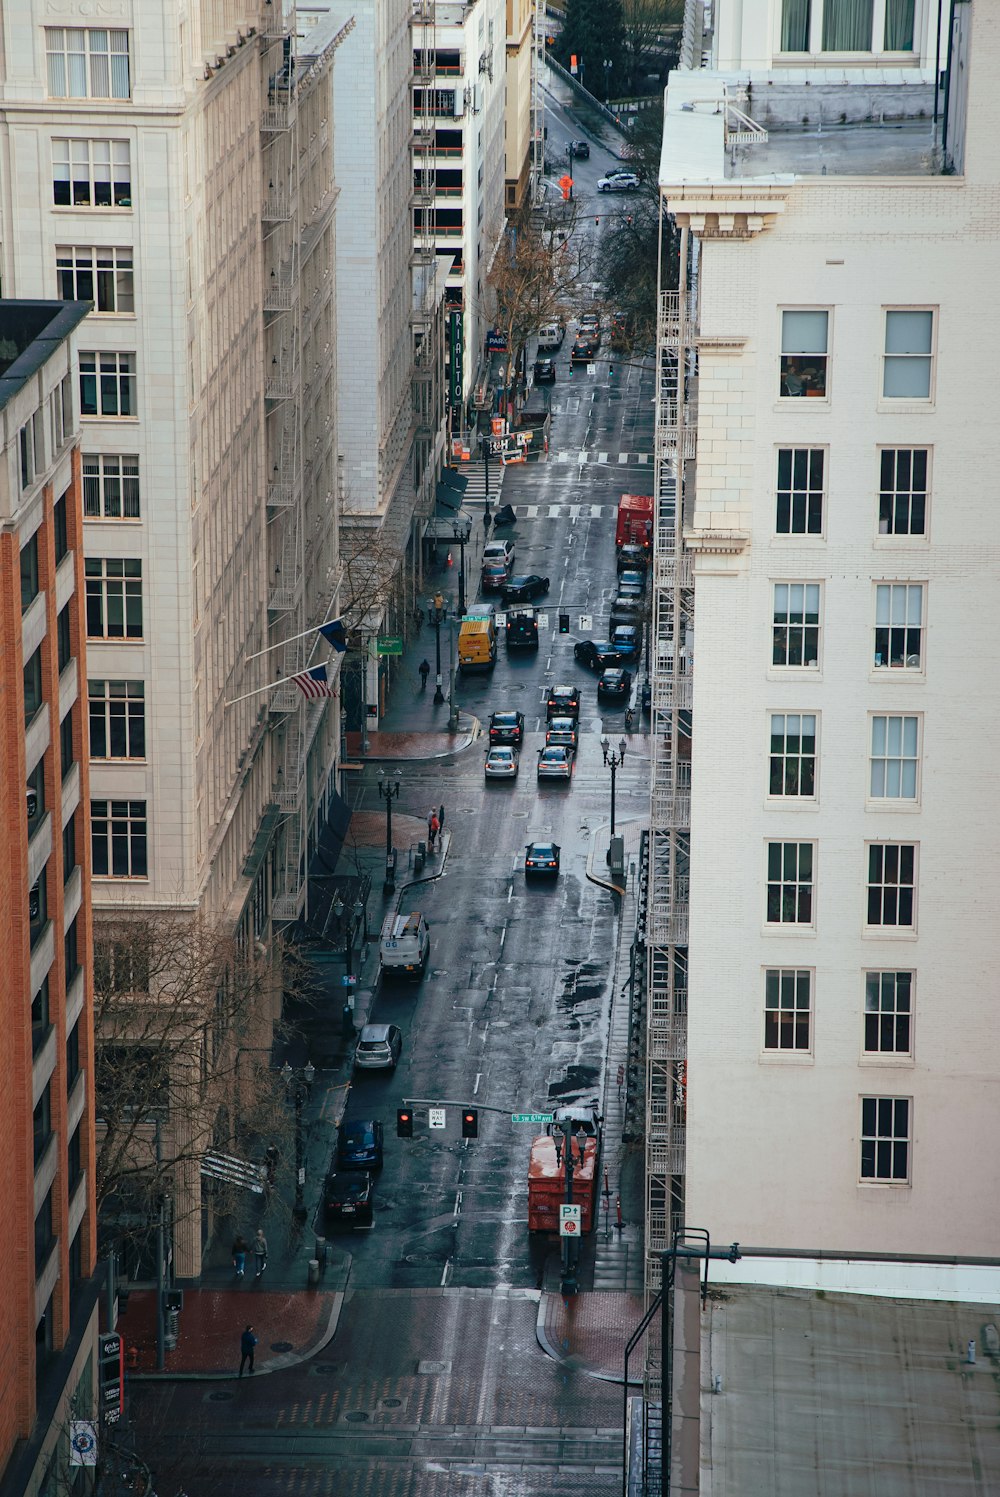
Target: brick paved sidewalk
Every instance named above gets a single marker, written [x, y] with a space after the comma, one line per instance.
[590, 1331]
[290, 1326]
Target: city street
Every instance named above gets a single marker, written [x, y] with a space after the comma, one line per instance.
[435, 1380]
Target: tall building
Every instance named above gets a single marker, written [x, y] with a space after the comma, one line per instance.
[822, 1024]
[176, 171]
[48, 1314]
[519, 122]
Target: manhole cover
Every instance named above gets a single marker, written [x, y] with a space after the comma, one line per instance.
[356, 1416]
[282, 1346]
[392, 1403]
[222, 1396]
[324, 1369]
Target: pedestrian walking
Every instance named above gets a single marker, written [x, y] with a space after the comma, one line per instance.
[433, 827]
[260, 1252]
[425, 669]
[440, 818]
[247, 1343]
[487, 520]
[271, 1162]
[239, 1255]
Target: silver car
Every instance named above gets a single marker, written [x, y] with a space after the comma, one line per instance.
[378, 1048]
[501, 763]
[555, 764]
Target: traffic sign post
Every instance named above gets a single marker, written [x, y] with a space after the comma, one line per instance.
[531, 1117]
[569, 1219]
[436, 1117]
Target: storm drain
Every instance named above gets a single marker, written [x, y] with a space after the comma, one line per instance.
[431, 1369]
[356, 1416]
[282, 1346]
[221, 1396]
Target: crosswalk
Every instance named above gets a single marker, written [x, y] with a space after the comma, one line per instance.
[475, 487]
[610, 459]
[565, 511]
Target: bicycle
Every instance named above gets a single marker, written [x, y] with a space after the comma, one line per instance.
[629, 719]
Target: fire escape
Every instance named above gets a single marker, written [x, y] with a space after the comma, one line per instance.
[426, 371]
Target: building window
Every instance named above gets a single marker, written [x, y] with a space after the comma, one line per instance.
[885, 1138]
[38, 907]
[120, 967]
[117, 719]
[796, 623]
[34, 795]
[799, 509]
[103, 276]
[898, 34]
[891, 884]
[60, 527]
[899, 631]
[40, 1024]
[789, 883]
[42, 1122]
[114, 598]
[64, 638]
[29, 572]
[107, 384]
[67, 757]
[69, 848]
[91, 173]
[119, 838]
[33, 699]
[87, 63]
[74, 1167]
[26, 448]
[895, 756]
[111, 486]
[909, 355]
[787, 1008]
[888, 1012]
[902, 504]
[71, 953]
[847, 25]
[43, 1246]
[804, 349]
[793, 754]
[795, 26]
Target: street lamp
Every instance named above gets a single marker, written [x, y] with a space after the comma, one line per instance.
[568, 1284]
[437, 611]
[387, 789]
[614, 762]
[484, 443]
[462, 532]
[303, 1087]
[608, 65]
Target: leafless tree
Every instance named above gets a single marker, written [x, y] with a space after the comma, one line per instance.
[649, 28]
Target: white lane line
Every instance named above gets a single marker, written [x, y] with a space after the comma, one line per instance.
[503, 936]
[574, 511]
[457, 1210]
[446, 1274]
[475, 1089]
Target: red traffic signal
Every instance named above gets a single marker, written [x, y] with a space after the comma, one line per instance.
[404, 1122]
[470, 1123]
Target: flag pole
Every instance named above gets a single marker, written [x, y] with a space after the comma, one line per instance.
[291, 640]
[281, 681]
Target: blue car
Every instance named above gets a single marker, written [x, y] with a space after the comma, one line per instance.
[359, 1145]
[627, 641]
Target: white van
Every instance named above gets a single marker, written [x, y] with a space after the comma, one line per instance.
[550, 336]
[404, 945]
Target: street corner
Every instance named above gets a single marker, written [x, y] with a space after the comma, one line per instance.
[290, 1327]
[588, 1332]
[424, 744]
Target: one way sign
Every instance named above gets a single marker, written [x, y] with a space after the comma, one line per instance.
[569, 1220]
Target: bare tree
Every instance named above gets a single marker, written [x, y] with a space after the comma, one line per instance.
[649, 27]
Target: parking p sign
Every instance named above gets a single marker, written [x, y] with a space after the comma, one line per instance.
[569, 1220]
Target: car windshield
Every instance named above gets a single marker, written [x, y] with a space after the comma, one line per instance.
[501, 756]
[542, 850]
[504, 719]
[360, 1136]
[553, 755]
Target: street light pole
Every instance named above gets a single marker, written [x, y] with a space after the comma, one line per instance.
[614, 762]
[438, 616]
[461, 536]
[387, 789]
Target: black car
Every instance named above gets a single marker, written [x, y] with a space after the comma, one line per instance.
[359, 1145]
[615, 685]
[542, 857]
[507, 727]
[544, 371]
[522, 589]
[522, 629]
[583, 350]
[596, 653]
[632, 559]
[564, 701]
[580, 149]
[625, 610]
[347, 1198]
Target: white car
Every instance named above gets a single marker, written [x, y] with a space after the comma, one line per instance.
[555, 764]
[498, 554]
[618, 182]
[501, 764]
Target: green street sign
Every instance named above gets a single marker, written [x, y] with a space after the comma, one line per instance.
[389, 644]
[531, 1117]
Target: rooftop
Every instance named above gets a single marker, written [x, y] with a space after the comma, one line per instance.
[30, 333]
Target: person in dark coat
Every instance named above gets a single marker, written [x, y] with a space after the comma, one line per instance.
[247, 1343]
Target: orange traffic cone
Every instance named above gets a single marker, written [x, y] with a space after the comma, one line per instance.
[448, 563]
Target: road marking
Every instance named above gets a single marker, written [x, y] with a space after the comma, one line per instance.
[574, 512]
[596, 511]
[503, 935]
[457, 1210]
[644, 457]
[582, 459]
[602, 457]
[623, 457]
[479, 1077]
[446, 1274]
[531, 511]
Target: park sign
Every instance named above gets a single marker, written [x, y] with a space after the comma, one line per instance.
[531, 1117]
[389, 644]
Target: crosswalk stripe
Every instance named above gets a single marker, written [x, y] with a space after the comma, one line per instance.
[530, 511]
[602, 457]
[596, 511]
[574, 511]
[623, 457]
[644, 457]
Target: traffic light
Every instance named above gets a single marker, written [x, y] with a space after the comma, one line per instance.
[564, 623]
[470, 1123]
[404, 1122]
[597, 223]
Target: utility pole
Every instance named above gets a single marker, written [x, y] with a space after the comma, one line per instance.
[568, 1285]
[438, 606]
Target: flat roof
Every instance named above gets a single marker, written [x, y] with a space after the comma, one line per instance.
[825, 1394]
[30, 333]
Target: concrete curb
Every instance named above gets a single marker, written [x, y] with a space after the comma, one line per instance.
[473, 730]
[280, 1363]
[542, 1337]
[602, 880]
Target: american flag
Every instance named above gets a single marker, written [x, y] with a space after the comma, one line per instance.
[313, 683]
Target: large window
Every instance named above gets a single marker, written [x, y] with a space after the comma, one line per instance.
[899, 625]
[787, 1008]
[804, 351]
[29, 572]
[799, 507]
[796, 624]
[789, 883]
[892, 884]
[89, 63]
[885, 1138]
[33, 696]
[107, 384]
[114, 597]
[91, 173]
[846, 26]
[895, 758]
[111, 486]
[103, 276]
[907, 370]
[793, 754]
[888, 1013]
[117, 719]
[119, 838]
[902, 502]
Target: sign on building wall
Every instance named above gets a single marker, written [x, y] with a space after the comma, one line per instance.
[455, 352]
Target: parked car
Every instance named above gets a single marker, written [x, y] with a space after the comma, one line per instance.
[379, 1047]
[625, 609]
[632, 559]
[498, 553]
[618, 182]
[494, 576]
[550, 336]
[627, 640]
[347, 1199]
[631, 584]
[359, 1145]
[615, 685]
[579, 148]
[595, 653]
[563, 701]
[523, 588]
[561, 732]
[506, 727]
[544, 371]
[542, 857]
[555, 764]
[501, 763]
